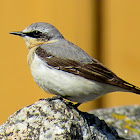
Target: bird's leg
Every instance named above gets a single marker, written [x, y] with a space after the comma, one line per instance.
[59, 97]
[77, 104]
[56, 97]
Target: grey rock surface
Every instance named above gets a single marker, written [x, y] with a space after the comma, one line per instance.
[55, 119]
[125, 120]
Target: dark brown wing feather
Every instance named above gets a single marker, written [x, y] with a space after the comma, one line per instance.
[95, 71]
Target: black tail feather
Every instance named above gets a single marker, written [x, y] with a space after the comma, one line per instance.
[130, 87]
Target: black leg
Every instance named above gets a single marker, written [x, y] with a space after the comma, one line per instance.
[59, 97]
[76, 105]
[56, 97]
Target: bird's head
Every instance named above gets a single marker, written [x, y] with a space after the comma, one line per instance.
[39, 33]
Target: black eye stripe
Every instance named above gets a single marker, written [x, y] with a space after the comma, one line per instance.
[34, 34]
[38, 35]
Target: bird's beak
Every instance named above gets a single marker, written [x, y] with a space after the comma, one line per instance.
[20, 33]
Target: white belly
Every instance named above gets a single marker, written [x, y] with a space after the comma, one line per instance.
[72, 87]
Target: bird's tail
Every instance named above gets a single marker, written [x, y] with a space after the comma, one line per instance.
[130, 87]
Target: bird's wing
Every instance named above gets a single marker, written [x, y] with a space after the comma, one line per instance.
[94, 71]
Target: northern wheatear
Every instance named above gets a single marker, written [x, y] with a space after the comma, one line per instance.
[60, 67]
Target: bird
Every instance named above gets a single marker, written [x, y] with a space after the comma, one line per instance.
[60, 67]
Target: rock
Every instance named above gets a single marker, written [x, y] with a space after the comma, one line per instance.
[125, 120]
[55, 118]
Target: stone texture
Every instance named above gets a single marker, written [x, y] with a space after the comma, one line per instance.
[125, 120]
[55, 119]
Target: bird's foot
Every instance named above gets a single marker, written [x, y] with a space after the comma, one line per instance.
[76, 105]
[56, 97]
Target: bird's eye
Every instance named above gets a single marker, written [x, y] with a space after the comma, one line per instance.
[36, 33]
